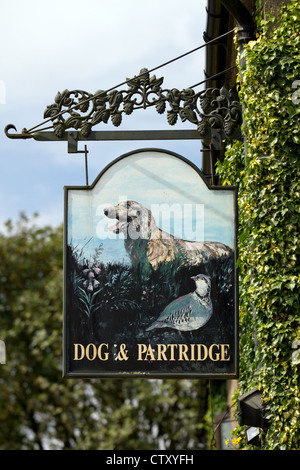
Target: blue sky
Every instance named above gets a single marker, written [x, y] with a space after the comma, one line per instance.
[49, 46]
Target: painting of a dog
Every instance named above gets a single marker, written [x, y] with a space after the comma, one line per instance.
[150, 244]
[146, 242]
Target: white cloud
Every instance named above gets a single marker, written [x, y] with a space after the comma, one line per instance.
[52, 45]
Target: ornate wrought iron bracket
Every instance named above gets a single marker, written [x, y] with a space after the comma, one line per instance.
[216, 113]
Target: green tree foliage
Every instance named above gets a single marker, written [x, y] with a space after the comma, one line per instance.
[267, 173]
[40, 409]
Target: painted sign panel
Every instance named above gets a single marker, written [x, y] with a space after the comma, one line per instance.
[149, 272]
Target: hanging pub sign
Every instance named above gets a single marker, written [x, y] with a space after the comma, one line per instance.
[150, 285]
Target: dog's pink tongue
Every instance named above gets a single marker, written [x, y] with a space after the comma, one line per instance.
[111, 228]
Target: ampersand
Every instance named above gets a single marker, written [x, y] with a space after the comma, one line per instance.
[122, 354]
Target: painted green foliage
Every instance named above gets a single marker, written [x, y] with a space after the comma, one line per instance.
[267, 173]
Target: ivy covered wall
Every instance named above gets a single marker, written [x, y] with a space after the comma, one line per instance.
[266, 171]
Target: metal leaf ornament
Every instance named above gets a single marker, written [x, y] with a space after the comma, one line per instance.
[208, 109]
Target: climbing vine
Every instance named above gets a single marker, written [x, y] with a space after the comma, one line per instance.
[266, 171]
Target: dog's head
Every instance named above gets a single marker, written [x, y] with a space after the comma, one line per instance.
[133, 219]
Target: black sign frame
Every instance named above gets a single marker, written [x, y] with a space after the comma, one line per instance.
[104, 356]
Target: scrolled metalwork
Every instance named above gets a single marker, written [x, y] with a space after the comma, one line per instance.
[211, 108]
[23, 135]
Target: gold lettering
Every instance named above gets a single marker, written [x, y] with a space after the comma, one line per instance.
[76, 346]
[205, 352]
[141, 349]
[90, 352]
[105, 354]
[217, 356]
[94, 351]
[192, 352]
[161, 349]
[183, 352]
[150, 353]
[178, 352]
[172, 348]
[224, 352]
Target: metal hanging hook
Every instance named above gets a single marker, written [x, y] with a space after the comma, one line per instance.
[72, 148]
[23, 135]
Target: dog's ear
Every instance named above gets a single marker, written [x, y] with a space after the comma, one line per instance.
[153, 230]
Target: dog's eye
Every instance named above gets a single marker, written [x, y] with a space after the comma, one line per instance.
[138, 228]
[128, 205]
[138, 213]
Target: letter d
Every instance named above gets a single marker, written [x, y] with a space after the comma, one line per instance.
[76, 358]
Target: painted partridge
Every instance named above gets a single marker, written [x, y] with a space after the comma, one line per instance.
[190, 311]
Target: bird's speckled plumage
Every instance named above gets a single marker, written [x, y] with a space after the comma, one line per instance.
[190, 311]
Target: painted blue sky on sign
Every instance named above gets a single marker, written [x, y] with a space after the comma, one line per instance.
[176, 194]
